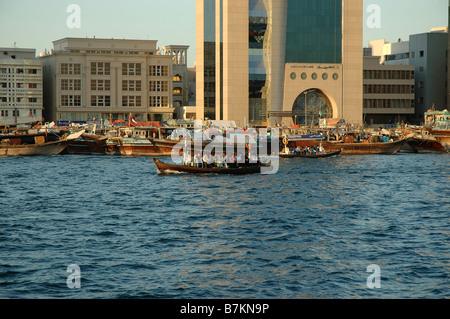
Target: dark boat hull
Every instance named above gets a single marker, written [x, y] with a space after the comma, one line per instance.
[423, 145]
[167, 168]
[325, 155]
[389, 148]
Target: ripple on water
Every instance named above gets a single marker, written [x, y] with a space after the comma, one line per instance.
[309, 231]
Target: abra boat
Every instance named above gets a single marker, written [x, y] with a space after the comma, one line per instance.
[168, 168]
[321, 155]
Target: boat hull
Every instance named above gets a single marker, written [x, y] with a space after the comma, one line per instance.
[423, 145]
[49, 148]
[331, 154]
[164, 168]
[389, 148]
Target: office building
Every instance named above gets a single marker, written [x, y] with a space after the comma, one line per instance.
[20, 86]
[427, 52]
[273, 61]
[107, 79]
[388, 92]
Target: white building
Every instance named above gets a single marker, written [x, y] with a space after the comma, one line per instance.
[427, 52]
[20, 86]
[107, 79]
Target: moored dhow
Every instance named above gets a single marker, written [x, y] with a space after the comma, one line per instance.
[39, 147]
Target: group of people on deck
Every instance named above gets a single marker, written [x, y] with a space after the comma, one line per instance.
[233, 160]
[309, 150]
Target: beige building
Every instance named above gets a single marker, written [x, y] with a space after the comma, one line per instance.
[272, 61]
[388, 92]
[107, 79]
[20, 86]
[180, 78]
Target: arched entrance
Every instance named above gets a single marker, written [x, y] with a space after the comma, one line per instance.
[310, 106]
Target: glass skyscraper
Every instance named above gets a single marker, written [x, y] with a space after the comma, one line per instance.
[297, 57]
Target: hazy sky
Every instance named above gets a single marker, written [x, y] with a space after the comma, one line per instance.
[36, 23]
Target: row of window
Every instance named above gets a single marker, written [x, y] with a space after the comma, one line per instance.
[105, 101]
[19, 71]
[388, 89]
[127, 86]
[388, 104]
[407, 55]
[388, 75]
[5, 85]
[18, 99]
[14, 113]
[104, 68]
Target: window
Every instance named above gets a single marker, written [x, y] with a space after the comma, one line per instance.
[100, 100]
[70, 85]
[100, 68]
[131, 101]
[421, 68]
[19, 71]
[70, 100]
[131, 69]
[177, 78]
[16, 113]
[32, 71]
[131, 86]
[100, 85]
[158, 70]
[32, 100]
[32, 85]
[4, 113]
[159, 101]
[421, 54]
[71, 68]
[177, 91]
[158, 86]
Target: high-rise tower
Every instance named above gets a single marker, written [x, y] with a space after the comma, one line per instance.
[291, 61]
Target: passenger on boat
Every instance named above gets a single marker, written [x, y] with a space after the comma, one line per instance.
[187, 159]
[198, 160]
[207, 160]
[218, 159]
[240, 158]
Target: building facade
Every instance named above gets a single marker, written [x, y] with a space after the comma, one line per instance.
[388, 92]
[180, 78]
[273, 61]
[21, 90]
[427, 52]
[107, 79]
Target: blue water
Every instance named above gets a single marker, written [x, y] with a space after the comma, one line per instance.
[309, 231]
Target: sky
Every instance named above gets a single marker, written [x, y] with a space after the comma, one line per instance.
[37, 23]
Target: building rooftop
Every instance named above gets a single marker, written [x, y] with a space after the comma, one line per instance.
[94, 44]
